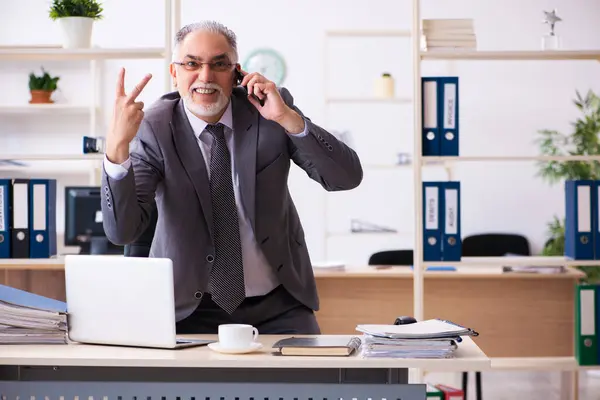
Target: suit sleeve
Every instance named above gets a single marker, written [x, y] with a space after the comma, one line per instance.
[322, 156]
[128, 202]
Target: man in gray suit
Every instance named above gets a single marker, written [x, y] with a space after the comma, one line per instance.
[213, 159]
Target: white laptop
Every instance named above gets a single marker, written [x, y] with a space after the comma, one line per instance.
[128, 301]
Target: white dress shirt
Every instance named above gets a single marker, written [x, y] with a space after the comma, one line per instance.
[258, 275]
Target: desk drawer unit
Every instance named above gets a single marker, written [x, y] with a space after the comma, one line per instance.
[207, 391]
[147, 383]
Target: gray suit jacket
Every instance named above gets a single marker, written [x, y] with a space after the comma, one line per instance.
[168, 172]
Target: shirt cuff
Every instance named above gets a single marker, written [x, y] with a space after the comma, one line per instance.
[116, 171]
[303, 133]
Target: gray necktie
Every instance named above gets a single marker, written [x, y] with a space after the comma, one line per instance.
[227, 275]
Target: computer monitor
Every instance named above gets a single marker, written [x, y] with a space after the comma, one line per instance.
[83, 221]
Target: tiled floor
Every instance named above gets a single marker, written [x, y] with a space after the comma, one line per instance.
[522, 385]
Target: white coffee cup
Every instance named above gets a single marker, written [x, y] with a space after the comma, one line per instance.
[237, 336]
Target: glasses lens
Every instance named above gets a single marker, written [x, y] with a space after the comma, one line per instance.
[220, 66]
[190, 65]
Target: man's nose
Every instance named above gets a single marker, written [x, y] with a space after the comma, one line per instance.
[205, 74]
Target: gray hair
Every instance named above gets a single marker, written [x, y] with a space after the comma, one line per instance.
[210, 26]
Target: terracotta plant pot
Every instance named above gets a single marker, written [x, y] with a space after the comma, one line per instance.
[40, 97]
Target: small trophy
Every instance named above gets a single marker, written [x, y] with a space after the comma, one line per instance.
[551, 41]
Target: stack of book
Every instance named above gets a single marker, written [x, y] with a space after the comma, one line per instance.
[448, 34]
[27, 318]
[433, 338]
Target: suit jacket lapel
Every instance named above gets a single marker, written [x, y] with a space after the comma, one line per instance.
[245, 128]
[192, 160]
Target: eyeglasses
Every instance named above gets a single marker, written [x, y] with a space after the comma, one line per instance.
[219, 66]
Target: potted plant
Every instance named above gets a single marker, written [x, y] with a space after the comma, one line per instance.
[76, 19]
[42, 87]
[582, 141]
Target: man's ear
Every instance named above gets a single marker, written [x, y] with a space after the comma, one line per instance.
[173, 74]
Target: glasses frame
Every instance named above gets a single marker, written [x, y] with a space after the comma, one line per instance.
[201, 65]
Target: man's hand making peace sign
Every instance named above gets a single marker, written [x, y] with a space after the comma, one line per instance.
[127, 117]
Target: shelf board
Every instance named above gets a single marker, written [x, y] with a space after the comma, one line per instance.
[511, 55]
[435, 159]
[52, 167]
[387, 166]
[370, 33]
[397, 100]
[94, 53]
[390, 166]
[43, 108]
[540, 261]
[51, 157]
[363, 234]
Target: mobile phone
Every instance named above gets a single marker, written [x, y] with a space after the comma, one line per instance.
[238, 80]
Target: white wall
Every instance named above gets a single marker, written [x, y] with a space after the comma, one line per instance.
[502, 106]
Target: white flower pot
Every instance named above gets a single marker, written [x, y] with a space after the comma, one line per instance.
[76, 32]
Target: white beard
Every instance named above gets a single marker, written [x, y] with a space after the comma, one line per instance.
[208, 110]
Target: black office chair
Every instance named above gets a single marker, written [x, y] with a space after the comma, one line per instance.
[491, 245]
[495, 245]
[392, 257]
[141, 246]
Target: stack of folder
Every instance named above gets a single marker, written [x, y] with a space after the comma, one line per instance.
[433, 338]
[28, 218]
[27, 318]
[442, 238]
[440, 116]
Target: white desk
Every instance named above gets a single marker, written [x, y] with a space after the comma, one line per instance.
[201, 374]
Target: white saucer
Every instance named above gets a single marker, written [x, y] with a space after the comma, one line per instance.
[253, 347]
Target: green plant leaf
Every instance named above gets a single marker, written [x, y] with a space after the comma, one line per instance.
[75, 8]
[43, 82]
[582, 141]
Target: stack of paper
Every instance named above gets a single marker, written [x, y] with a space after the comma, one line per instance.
[329, 266]
[432, 338]
[536, 269]
[29, 318]
[448, 34]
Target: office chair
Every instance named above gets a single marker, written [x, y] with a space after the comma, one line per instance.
[141, 246]
[392, 257]
[495, 245]
[491, 245]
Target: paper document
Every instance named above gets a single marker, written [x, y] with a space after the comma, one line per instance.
[432, 338]
[29, 318]
[428, 329]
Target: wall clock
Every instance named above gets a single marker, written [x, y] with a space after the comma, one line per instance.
[268, 63]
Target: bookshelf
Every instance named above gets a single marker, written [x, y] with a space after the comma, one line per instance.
[420, 56]
[79, 164]
[567, 365]
[394, 103]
